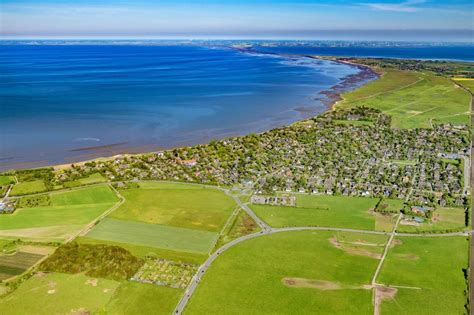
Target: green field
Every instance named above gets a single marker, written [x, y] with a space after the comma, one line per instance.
[5, 180]
[433, 267]
[57, 293]
[154, 235]
[321, 210]
[91, 179]
[467, 83]
[24, 188]
[444, 219]
[256, 276]
[178, 205]
[413, 99]
[141, 298]
[68, 212]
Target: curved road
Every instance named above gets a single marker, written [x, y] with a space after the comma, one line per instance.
[267, 230]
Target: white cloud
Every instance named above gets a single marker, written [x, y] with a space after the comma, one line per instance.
[407, 6]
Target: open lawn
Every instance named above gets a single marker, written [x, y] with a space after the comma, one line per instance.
[468, 83]
[144, 251]
[178, 205]
[444, 219]
[302, 272]
[413, 99]
[433, 268]
[321, 210]
[57, 293]
[5, 180]
[73, 208]
[32, 187]
[142, 298]
[154, 235]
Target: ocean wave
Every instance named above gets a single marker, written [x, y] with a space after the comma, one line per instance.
[87, 139]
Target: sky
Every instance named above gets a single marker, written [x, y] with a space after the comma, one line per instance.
[251, 19]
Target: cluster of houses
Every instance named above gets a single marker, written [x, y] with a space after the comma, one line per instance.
[7, 206]
[316, 156]
[289, 201]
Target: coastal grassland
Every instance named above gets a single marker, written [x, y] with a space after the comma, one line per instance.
[468, 83]
[413, 99]
[57, 293]
[88, 180]
[303, 272]
[24, 188]
[5, 180]
[321, 210]
[435, 266]
[154, 235]
[444, 219]
[66, 214]
[143, 298]
[147, 251]
[177, 205]
[240, 224]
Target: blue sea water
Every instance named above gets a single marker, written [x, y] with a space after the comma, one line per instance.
[64, 103]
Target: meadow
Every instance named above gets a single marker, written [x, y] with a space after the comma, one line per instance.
[273, 273]
[431, 272]
[143, 298]
[24, 188]
[468, 83]
[177, 205]
[5, 180]
[413, 99]
[67, 213]
[321, 210]
[88, 180]
[154, 235]
[57, 293]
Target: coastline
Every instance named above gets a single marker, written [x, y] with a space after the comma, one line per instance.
[330, 98]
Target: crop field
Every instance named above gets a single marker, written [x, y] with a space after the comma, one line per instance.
[413, 99]
[444, 219]
[321, 210]
[5, 180]
[429, 275]
[177, 205]
[58, 293]
[17, 263]
[143, 298]
[23, 188]
[68, 212]
[321, 272]
[154, 235]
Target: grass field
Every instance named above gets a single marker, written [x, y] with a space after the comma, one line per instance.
[468, 83]
[5, 180]
[59, 294]
[256, 276]
[435, 266]
[178, 205]
[141, 298]
[154, 235]
[91, 179]
[144, 251]
[413, 99]
[68, 209]
[24, 188]
[321, 210]
[444, 219]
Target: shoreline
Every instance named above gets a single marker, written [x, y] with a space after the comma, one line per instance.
[332, 96]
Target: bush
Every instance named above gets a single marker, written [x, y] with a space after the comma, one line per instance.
[104, 261]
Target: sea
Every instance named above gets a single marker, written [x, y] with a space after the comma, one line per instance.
[63, 103]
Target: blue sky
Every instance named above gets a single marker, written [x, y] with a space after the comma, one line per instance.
[364, 19]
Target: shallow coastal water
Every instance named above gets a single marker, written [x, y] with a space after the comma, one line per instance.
[75, 102]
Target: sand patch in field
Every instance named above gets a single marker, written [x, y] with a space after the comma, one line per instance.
[354, 249]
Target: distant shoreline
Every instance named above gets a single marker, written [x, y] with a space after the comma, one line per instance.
[331, 97]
